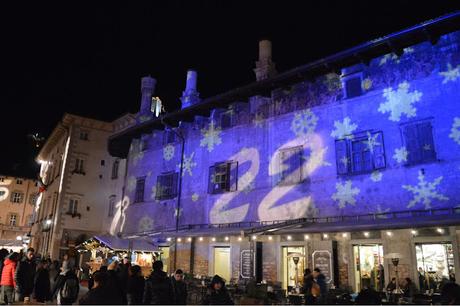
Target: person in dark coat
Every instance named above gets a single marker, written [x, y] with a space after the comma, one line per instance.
[368, 296]
[42, 282]
[391, 285]
[68, 276]
[320, 279]
[123, 274]
[136, 283]
[307, 285]
[100, 294]
[180, 288]
[113, 283]
[217, 293]
[25, 275]
[158, 288]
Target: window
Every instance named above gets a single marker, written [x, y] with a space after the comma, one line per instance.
[33, 198]
[353, 87]
[140, 186]
[16, 197]
[290, 165]
[360, 154]
[111, 205]
[166, 187]
[102, 162]
[115, 166]
[226, 120]
[13, 219]
[169, 137]
[223, 177]
[418, 140]
[79, 166]
[73, 207]
[84, 135]
[19, 181]
[2, 179]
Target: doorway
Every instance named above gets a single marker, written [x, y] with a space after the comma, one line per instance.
[222, 262]
[292, 273]
[369, 271]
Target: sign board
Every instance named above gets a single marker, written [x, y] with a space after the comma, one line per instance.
[323, 261]
[246, 263]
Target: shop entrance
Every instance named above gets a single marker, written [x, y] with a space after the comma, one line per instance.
[437, 262]
[369, 270]
[290, 253]
[222, 262]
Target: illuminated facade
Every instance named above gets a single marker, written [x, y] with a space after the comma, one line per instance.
[17, 200]
[79, 184]
[357, 156]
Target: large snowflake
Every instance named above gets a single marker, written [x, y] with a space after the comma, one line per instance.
[345, 194]
[188, 164]
[371, 141]
[451, 74]
[401, 155]
[455, 130]
[304, 123]
[400, 102]
[131, 184]
[381, 212]
[168, 152]
[424, 192]
[211, 136]
[195, 197]
[145, 224]
[376, 176]
[344, 129]
[137, 156]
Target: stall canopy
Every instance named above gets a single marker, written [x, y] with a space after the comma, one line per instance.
[118, 244]
[9, 243]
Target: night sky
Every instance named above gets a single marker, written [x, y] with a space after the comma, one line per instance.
[87, 58]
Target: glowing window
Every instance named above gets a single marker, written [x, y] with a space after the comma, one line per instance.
[290, 165]
[166, 187]
[16, 197]
[223, 177]
[362, 153]
[140, 186]
[418, 140]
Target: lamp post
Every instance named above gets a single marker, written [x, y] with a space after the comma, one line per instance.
[395, 257]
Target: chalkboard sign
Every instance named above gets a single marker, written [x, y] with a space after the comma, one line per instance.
[245, 263]
[323, 261]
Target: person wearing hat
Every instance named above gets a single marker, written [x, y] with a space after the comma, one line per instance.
[217, 293]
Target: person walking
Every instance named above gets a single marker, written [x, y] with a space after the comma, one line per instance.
[25, 276]
[99, 294]
[113, 283]
[217, 293]
[179, 287]
[123, 275]
[67, 285]
[42, 282]
[158, 288]
[135, 287]
[7, 278]
[307, 286]
[320, 279]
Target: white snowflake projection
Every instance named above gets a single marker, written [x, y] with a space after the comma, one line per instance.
[344, 160]
[258, 120]
[451, 74]
[381, 211]
[316, 159]
[366, 84]
[136, 157]
[393, 57]
[333, 82]
[188, 164]
[195, 197]
[168, 152]
[345, 193]
[247, 180]
[427, 147]
[211, 136]
[376, 176]
[131, 184]
[455, 130]
[344, 129]
[400, 102]
[371, 141]
[304, 123]
[401, 155]
[424, 192]
[144, 118]
[145, 224]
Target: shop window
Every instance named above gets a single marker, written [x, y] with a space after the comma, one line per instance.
[140, 186]
[112, 205]
[368, 267]
[290, 165]
[360, 154]
[17, 197]
[293, 266]
[115, 166]
[418, 140]
[223, 177]
[222, 263]
[13, 219]
[166, 187]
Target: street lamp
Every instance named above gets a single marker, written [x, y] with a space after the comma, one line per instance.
[395, 257]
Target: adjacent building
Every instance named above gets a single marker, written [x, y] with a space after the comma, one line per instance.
[17, 201]
[80, 184]
[349, 163]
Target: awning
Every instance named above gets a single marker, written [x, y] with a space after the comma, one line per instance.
[10, 243]
[119, 244]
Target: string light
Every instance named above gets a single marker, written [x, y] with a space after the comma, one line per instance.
[344, 235]
[389, 234]
[179, 239]
[325, 236]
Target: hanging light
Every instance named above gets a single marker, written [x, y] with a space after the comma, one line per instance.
[226, 238]
[306, 237]
[254, 237]
[201, 238]
[213, 238]
[325, 236]
[189, 239]
[413, 232]
[344, 235]
[156, 107]
[389, 234]
[239, 238]
[168, 239]
[270, 238]
[179, 239]
[366, 234]
[289, 237]
[440, 230]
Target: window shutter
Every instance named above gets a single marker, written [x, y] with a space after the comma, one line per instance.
[425, 132]
[341, 152]
[233, 176]
[174, 191]
[353, 87]
[410, 138]
[379, 152]
[210, 179]
[159, 188]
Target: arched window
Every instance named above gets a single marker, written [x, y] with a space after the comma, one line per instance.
[115, 165]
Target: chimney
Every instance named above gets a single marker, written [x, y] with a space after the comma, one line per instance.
[190, 96]
[147, 88]
[265, 68]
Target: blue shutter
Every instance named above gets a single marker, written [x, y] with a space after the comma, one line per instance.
[341, 151]
[379, 152]
[410, 139]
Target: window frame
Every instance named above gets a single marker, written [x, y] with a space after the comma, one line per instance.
[172, 188]
[16, 217]
[72, 209]
[137, 192]
[13, 197]
[231, 174]
[420, 147]
[284, 174]
[84, 135]
[79, 166]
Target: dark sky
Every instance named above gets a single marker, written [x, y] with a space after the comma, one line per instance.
[88, 57]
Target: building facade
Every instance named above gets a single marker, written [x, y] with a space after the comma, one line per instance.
[343, 164]
[80, 184]
[17, 201]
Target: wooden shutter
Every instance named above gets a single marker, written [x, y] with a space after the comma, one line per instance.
[425, 136]
[379, 152]
[233, 176]
[341, 152]
[212, 170]
[410, 139]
